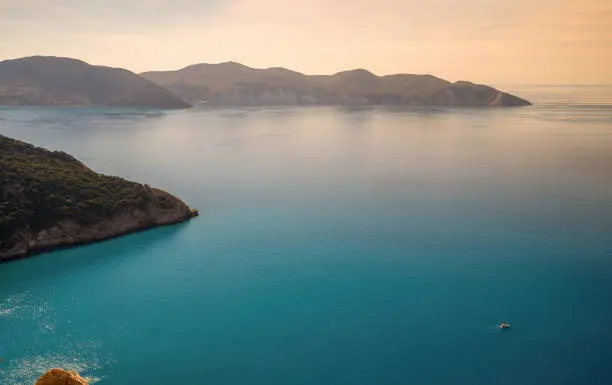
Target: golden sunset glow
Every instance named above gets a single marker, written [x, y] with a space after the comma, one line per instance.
[524, 41]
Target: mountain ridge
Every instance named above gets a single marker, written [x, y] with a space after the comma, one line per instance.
[57, 81]
[231, 83]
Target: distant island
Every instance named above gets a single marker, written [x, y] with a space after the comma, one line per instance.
[50, 200]
[234, 84]
[56, 81]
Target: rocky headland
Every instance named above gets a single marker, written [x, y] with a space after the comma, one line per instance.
[50, 200]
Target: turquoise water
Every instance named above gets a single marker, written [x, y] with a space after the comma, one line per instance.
[336, 246]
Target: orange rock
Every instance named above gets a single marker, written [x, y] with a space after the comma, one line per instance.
[61, 377]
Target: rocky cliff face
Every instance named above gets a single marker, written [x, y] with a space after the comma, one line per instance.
[69, 232]
[61, 377]
[53, 81]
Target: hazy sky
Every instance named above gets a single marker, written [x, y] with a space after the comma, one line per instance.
[518, 41]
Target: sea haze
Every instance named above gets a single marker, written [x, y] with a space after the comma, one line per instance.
[335, 246]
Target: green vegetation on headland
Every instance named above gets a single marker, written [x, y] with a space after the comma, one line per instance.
[50, 199]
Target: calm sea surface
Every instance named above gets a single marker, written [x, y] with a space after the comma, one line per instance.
[335, 246]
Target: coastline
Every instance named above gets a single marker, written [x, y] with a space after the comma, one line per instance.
[68, 233]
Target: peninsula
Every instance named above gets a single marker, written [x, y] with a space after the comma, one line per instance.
[57, 81]
[234, 84]
[50, 200]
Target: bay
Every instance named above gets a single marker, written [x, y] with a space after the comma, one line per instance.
[336, 245]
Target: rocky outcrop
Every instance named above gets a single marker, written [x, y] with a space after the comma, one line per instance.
[56, 81]
[69, 232]
[61, 377]
[233, 84]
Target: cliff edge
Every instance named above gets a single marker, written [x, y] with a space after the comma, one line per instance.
[50, 200]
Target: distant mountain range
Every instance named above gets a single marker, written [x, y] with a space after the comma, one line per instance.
[236, 84]
[56, 81]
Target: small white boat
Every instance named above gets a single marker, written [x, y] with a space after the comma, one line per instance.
[504, 325]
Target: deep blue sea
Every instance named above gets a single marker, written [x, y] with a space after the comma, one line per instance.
[336, 246]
